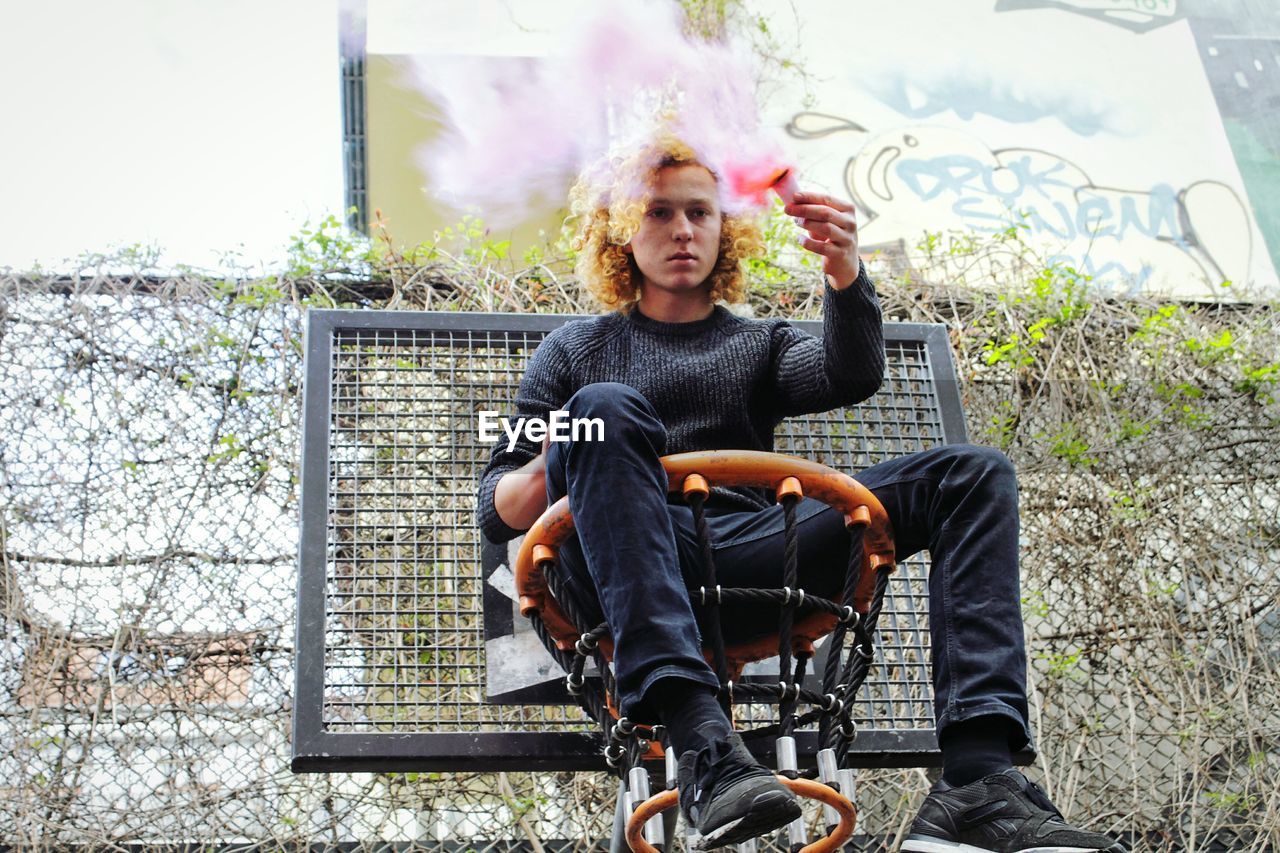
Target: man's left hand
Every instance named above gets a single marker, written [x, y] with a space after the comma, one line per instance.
[831, 232]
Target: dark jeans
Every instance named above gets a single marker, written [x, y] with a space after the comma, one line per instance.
[634, 550]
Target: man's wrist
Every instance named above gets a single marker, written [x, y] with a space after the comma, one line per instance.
[835, 285]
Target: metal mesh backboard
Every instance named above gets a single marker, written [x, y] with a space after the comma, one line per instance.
[411, 655]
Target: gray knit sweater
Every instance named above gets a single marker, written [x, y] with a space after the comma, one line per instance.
[720, 383]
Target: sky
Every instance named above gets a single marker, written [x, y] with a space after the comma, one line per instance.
[210, 130]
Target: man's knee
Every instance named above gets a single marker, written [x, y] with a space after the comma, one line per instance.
[990, 466]
[603, 398]
[988, 459]
[612, 402]
[974, 461]
[619, 410]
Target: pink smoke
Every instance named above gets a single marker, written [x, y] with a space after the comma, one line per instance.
[518, 131]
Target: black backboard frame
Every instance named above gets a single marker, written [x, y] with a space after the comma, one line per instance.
[317, 746]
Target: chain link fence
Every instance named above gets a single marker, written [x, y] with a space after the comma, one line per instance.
[148, 523]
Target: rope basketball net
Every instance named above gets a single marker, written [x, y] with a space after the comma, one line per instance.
[559, 622]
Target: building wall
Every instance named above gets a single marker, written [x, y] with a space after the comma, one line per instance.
[1138, 141]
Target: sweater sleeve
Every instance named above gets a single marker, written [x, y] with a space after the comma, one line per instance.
[544, 388]
[845, 367]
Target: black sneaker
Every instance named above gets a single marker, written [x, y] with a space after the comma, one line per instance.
[1002, 813]
[728, 797]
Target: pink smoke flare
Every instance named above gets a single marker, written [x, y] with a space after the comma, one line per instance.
[517, 130]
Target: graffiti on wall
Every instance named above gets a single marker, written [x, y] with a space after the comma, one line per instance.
[1128, 239]
[1239, 46]
[1009, 100]
[1140, 16]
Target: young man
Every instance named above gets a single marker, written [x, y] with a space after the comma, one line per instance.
[670, 371]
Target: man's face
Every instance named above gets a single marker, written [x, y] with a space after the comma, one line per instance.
[679, 238]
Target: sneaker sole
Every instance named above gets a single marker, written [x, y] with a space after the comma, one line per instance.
[922, 844]
[769, 811]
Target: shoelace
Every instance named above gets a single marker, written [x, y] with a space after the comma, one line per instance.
[719, 750]
[703, 761]
[1041, 799]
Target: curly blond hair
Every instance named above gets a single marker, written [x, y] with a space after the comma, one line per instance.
[608, 203]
